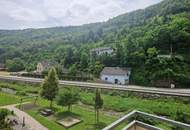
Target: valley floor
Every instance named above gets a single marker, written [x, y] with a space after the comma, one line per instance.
[116, 104]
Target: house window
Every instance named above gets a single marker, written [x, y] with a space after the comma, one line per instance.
[106, 78]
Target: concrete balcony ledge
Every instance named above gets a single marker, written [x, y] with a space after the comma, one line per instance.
[137, 125]
[136, 113]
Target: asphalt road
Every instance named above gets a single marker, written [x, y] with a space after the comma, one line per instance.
[132, 88]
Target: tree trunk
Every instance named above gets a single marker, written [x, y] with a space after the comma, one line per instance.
[35, 100]
[97, 115]
[171, 49]
[51, 103]
[69, 108]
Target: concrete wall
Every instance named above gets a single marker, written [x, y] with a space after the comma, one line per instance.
[111, 79]
[108, 51]
[137, 128]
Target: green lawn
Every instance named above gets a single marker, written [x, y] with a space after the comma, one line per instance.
[85, 115]
[162, 106]
[6, 99]
[21, 88]
[169, 107]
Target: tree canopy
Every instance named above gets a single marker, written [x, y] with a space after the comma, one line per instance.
[135, 36]
[68, 97]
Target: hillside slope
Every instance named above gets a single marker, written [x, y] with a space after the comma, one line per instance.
[65, 34]
[138, 38]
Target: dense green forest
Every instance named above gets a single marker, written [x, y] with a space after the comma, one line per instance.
[142, 39]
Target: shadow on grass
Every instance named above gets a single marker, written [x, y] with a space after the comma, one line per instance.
[61, 115]
[28, 106]
[54, 109]
[97, 126]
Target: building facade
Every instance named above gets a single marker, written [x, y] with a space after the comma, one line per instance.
[116, 75]
[102, 50]
[2, 67]
[44, 66]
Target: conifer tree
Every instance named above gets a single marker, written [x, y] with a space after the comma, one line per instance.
[50, 86]
[98, 104]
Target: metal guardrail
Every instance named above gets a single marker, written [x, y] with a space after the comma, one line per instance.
[143, 114]
[168, 92]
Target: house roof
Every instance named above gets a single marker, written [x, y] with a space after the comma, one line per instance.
[115, 71]
[47, 63]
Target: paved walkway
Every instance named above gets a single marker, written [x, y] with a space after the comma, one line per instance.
[29, 121]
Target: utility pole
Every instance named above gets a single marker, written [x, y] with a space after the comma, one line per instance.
[171, 49]
[23, 122]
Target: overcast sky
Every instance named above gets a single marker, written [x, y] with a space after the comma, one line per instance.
[20, 14]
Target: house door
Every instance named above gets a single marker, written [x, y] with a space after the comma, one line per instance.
[116, 81]
[126, 81]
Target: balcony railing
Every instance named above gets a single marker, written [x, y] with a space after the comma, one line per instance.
[137, 125]
[144, 125]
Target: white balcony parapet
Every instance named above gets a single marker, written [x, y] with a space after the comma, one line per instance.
[141, 124]
[143, 114]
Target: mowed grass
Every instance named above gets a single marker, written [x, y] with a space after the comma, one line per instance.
[86, 115]
[6, 99]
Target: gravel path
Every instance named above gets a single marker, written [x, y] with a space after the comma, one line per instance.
[29, 121]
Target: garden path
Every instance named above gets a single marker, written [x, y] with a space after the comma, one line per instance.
[29, 121]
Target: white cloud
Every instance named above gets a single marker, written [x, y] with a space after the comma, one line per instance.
[46, 13]
[26, 14]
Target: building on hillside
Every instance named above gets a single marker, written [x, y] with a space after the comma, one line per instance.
[170, 56]
[116, 75]
[45, 66]
[64, 70]
[2, 67]
[102, 50]
[164, 56]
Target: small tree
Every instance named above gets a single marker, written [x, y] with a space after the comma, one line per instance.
[3, 114]
[50, 86]
[15, 65]
[73, 70]
[98, 104]
[96, 68]
[3, 124]
[68, 97]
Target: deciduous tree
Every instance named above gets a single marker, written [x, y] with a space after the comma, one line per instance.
[68, 97]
